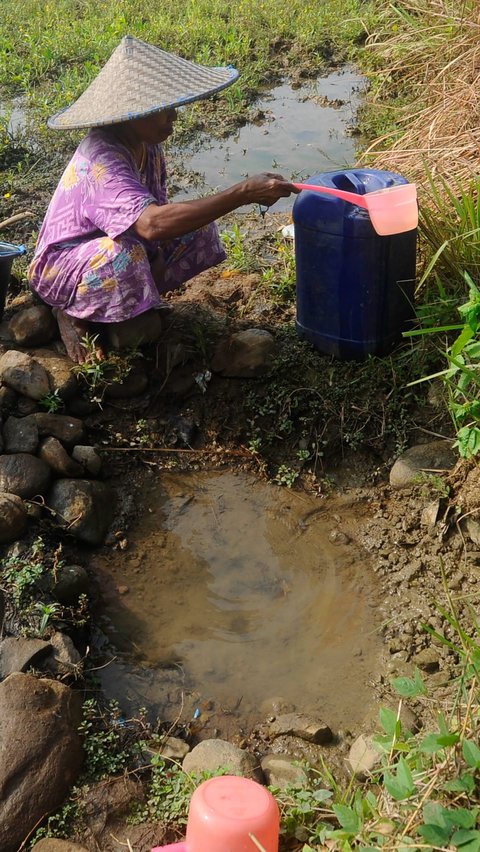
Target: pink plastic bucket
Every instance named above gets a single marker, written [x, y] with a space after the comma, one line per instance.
[230, 814]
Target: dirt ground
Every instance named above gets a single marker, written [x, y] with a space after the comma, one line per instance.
[326, 428]
[415, 538]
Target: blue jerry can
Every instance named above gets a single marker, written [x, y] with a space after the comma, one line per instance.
[355, 289]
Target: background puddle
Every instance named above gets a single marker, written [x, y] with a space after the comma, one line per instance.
[237, 593]
[299, 132]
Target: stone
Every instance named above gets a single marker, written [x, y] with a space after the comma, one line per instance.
[281, 771]
[55, 455]
[472, 529]
[25, 299]
[52, 844]
[363, 757]
[59, 371]
[20, 435]
[24, 374]
[24, 475]
[430, 513]
[144, 328]
[26, 406]
[79, 406]
[8, 401]
[83, 506]
[212, 755]
[72, 581]
[88, 458]
[18, 654]
[68, 430]
[132, 385]
[436, 457]
[33, 326]
[64, 659]
[244, 354]
[13, 517]
[428, 660]
[40, 752]
[171, 748]
[300, 725]
[275, 706]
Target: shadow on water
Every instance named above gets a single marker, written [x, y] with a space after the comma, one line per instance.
[297, 132]
[233, 592]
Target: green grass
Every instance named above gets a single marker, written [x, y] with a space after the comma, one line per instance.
[50, 51]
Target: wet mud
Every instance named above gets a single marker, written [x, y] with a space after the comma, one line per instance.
[231, 592]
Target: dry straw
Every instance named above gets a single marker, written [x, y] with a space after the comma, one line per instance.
[434, 53]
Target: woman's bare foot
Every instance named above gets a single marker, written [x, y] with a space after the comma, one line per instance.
[72, 332]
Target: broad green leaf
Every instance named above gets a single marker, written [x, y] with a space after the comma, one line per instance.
[410, 687]
[467, 841]
[404, 775]
[442, 724]
[468, 441]
[401, 785]
[472, 350]
[435, 814]
[322, 795]
[434, 834]
[464, 784]
[389, 721]
[461, 340]
[436, 742]
[471, 753]
[348, 819]
[462, 817]
[409, 845]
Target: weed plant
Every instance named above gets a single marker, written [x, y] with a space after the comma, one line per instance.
[98, 373]
[318, 407]
[21, 576]
[424, 793]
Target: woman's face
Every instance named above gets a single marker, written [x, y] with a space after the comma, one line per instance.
[156, 127]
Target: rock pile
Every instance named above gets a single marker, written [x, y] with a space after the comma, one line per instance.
[44, 456]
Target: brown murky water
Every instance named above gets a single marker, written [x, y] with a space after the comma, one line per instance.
[238, 591]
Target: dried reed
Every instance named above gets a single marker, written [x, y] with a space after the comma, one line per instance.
[429, 55]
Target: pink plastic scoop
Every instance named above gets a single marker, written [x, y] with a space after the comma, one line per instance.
[230, 813]
[392, 210]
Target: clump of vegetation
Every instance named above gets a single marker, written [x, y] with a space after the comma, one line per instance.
[312, 406]
[423, 107]
[106, 740]
[98, 373]
[22, 575]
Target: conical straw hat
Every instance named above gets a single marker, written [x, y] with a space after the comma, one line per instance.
[139, 79]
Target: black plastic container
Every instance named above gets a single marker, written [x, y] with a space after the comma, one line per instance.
[8, 253]
[355, 289]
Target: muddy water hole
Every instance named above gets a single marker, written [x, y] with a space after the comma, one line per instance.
[233, 593]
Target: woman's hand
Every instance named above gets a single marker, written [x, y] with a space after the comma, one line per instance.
[266, 189]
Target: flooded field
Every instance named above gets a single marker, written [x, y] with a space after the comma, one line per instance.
[233, 592]
[298, 132]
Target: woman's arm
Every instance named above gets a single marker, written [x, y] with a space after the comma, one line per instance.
[164, 222]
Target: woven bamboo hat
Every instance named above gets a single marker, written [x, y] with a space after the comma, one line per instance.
[137, 80]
